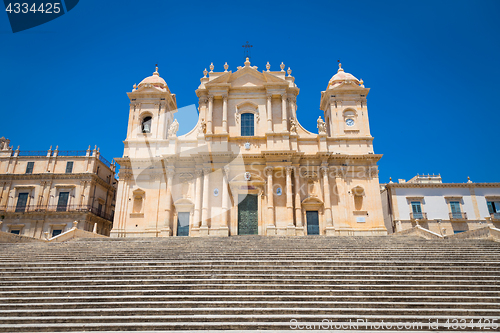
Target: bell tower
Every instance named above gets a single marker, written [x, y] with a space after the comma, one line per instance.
[344, 107]
[152, 106]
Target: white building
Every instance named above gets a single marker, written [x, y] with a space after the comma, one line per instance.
[444, 208]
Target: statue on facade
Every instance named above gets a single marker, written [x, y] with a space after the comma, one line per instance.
[321, 126]
[293, 126]
[174, 127]
[203, 127]
[4, 143]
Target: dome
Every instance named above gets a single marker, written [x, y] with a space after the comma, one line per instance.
[154, 80]
[340, 77]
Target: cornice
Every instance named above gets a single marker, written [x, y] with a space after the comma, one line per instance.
[441, 185]
[56, 176]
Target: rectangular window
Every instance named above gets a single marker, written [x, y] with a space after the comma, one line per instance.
[416, 208]
[15, 232]
[99, 209]
[29, 167]
[455, 207]
[62, 203]
[247, 124]
[22, 201]
[456, 212]
[493, 207]
[56, 232]
[69, 167]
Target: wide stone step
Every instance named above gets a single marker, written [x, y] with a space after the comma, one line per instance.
[241, 294]
[202, 278]
[338, 303]
[203, 269]
[10, 316]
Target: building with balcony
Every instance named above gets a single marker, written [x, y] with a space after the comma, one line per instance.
[45, 193]
[444, 208]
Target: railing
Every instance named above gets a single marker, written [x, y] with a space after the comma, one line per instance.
[57, 208]
[33, 153]
[105, 161]
[66, 153]
[418, 216]
[458, 216]
[72, 153]
[495, 216]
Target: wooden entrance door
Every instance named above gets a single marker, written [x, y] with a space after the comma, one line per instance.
[312, 222]
[182, 224]
[248, 222]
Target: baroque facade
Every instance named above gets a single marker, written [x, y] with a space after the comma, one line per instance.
[46, 193]
[248, 166]
[443, 208]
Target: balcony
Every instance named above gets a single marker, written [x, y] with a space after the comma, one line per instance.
[495, 216]
[57, 208]
[418, 216]
[458, 216]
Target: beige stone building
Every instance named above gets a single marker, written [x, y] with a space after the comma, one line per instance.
[46, 193]
[248, 166]
[443, 208]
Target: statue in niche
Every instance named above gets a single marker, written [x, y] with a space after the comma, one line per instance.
[203, 127]
[321, 126]
[293, 126]
[174, 127]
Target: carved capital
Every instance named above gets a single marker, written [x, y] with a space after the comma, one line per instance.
[224, 98]
[124, 176]
[269, 97]
[203, 100]
[185, 176]
[155, 176]
[170, 173]
[198, 173]
[268, 171]
[289, 170]
[211, 98]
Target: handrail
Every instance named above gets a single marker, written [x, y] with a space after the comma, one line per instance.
[418, 216]
[458, 216]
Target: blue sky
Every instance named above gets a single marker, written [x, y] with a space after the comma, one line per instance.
[432, 66]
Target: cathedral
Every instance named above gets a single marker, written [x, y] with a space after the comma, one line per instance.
[248, 167]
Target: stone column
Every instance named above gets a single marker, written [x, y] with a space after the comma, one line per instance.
[283, 112]
[86, 201]
[197, 201]
[269, 114]
[326, 190]
[224, 230]
[224, 114]
[205, 207]
[293, 108]
[5, 195]
[168, 207]
[209, 114]
[270, 201]
[289, 202]
[298, 204]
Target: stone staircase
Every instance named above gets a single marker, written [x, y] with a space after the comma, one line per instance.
[251, 283]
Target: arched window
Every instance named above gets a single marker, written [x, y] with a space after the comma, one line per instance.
[146, 125]
[247, 124]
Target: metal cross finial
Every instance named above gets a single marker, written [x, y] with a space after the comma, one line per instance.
[246, 50]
